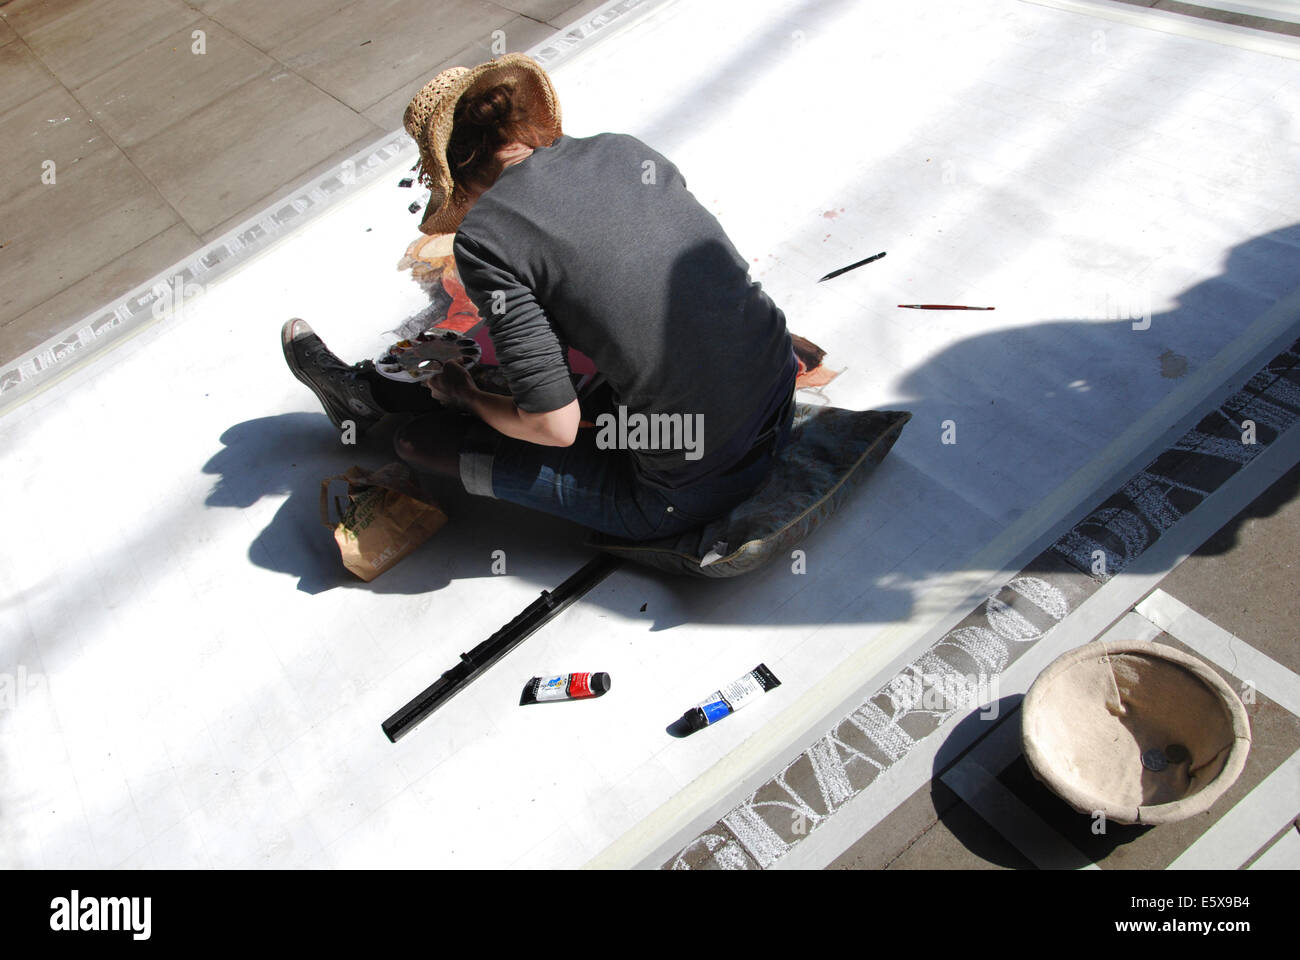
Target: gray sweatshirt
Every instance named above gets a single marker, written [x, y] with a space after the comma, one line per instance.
[596, 243]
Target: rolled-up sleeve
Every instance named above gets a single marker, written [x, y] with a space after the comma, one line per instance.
[531, 355]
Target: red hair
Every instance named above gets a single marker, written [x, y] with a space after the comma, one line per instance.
[481, 125]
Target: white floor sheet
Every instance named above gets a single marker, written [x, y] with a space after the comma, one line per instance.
[192, 680]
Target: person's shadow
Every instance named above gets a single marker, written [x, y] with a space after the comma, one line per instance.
[290, 454]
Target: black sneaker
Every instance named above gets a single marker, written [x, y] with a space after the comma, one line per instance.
[343, 394]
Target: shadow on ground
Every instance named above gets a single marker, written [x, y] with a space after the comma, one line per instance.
[1086, 840]
[1072, 368]
[290, 454]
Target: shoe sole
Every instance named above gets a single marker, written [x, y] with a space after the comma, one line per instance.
[286, 343]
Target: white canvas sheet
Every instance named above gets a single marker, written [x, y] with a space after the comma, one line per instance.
[194, 681]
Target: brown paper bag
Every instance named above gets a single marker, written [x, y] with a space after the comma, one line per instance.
[384, 518]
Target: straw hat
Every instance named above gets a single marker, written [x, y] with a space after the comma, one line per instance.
[429, 116]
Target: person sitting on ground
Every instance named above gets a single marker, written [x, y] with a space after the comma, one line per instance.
[595, 243]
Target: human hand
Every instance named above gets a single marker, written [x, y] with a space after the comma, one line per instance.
[452, 386]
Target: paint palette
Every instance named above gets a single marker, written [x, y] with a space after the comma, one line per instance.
[414, 361]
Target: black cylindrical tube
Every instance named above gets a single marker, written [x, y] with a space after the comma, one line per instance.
[534, 616]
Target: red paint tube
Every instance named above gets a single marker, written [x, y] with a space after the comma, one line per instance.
[565, 686]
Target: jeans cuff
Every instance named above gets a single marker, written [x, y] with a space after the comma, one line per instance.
[477, 456]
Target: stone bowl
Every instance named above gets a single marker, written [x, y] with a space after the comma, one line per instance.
[1138, 731]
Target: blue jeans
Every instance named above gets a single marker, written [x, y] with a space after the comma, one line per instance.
[600, 489]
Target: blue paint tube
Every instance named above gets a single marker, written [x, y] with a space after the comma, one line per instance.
[729, 699]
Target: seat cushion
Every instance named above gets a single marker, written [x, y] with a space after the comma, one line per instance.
[829, 452]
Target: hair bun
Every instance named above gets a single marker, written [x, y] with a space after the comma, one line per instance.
[490, 108]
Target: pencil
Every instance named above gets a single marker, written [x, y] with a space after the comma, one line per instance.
[851, 266]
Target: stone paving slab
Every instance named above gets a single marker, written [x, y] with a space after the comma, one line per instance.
[106, 208]
[51, 127]
[21, 75]
[270, 25]
[565, 14]
[168, 82]
[364, 51]
[72, 303]
[26, 16]
[922, 833]
[1254, 597]
[258, 120]
[959, 840]
[548, 9]
[95, 37]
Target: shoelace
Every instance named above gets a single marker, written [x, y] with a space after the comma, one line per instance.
[320, 355]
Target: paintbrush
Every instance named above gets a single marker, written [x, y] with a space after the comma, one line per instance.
[851, 266]
[939, 306]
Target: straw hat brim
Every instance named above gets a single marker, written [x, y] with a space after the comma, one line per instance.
[431, 113]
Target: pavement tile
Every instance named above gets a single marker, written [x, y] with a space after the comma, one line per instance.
[84, 298]
[291, 196]
[168, 82]
[21, 76]
[571, 13]
[932, 828]
[113, 210]
[545, 9]
[95, 37]
[268, 25]
[24, 16]
[51, 126]
[222, 159]
[365, 51]
[1243, 578]
[960, 840]
[900, 828]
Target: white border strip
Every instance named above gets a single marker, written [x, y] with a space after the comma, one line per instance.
[974, 779]
[1132, 629]
[1010, 816]
[1179, 24]
[1283, 855]
[1253, 822]
[1230, 652]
